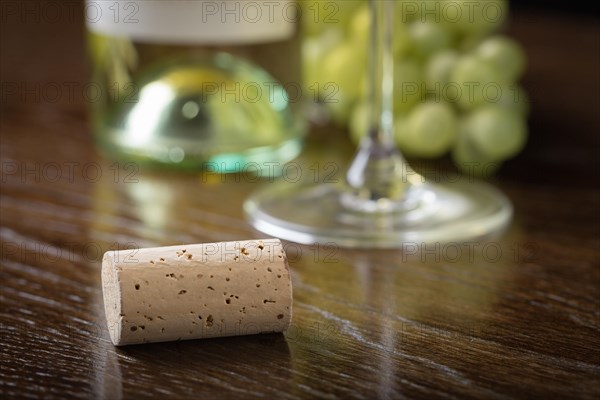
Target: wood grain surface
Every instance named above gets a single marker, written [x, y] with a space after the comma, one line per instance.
[514, 317]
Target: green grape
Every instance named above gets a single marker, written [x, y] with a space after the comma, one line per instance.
[428, 38]
[318, 16]
[329, 40]
[468, 44]
[342, 67]
[342, 72]
[313, 53]
[359, 122]
[360, 26]
[468, 159]
[402, 42]
[438, 70]
[408, 85]
[311, 58]
[505, 54]
[341, 12]
[360, 31]
[431, 130]
[341, 112]
[364, 84]
[401, 131]
[473, 18]
[311, 23]
[496, 132]
[514, 98]
[478, 82]
[312, 28]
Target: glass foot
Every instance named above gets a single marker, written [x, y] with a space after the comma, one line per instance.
[445, 212]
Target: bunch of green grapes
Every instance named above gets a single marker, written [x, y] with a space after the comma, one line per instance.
[456, 79]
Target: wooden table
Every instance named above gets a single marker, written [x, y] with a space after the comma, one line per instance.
[517, 317]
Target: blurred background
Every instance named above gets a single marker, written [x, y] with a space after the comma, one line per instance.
[542, 55]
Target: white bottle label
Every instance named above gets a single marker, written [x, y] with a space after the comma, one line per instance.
[194, 21]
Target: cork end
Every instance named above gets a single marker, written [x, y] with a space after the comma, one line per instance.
[112, 297]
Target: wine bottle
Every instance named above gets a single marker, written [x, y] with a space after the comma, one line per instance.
[197, 83]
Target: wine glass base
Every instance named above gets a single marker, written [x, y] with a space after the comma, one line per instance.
[447, 212]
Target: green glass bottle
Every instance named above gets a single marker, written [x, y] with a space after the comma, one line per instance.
[194, 84]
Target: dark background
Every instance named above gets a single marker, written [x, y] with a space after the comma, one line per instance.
[571, 7]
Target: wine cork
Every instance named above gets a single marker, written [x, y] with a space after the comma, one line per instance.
[196, 291]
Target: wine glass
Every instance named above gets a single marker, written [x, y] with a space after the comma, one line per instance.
[382, 202]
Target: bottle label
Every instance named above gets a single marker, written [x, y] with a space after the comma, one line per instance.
[194, 21]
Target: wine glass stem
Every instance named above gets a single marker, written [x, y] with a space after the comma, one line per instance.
[379, 179]
[381, 70]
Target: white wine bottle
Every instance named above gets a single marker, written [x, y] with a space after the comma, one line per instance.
[197, 83]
